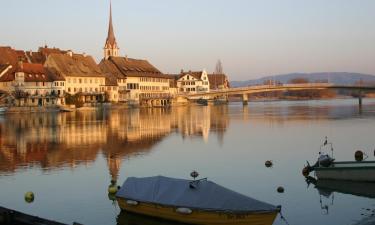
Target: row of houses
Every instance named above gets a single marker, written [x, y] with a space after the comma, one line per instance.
[50, 76]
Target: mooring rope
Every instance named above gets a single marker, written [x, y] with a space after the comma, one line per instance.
[283, 218]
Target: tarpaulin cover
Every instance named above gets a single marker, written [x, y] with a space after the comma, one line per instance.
[177, 193]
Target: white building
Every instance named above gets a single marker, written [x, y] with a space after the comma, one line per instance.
[192, 82]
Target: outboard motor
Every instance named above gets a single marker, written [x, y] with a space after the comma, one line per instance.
[325, 160]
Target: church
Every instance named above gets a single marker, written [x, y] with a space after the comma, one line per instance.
[138, 81]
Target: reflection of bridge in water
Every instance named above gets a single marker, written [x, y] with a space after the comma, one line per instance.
[245, 91]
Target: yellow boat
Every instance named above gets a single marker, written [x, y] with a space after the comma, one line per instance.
[192, 202]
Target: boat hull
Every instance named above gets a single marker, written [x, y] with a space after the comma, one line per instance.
[351, 171]
[198, 216]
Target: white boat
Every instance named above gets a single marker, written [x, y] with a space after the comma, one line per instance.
[326, 168]
[352, 171]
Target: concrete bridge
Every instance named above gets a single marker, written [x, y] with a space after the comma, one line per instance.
[245, 91]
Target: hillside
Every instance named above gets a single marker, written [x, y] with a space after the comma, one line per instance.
[336, 78]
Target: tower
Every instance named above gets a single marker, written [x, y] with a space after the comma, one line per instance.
[110, 47]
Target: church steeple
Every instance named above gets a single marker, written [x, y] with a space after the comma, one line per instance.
[110, 48]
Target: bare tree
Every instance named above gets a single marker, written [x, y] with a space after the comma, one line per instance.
[219, 67]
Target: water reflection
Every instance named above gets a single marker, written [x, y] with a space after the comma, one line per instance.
[71, 153]
[51, 141]
[327, 189]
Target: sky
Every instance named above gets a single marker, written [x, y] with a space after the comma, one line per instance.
[252, 38]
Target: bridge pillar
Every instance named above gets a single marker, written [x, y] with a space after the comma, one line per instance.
[360, 99]
[245, 99]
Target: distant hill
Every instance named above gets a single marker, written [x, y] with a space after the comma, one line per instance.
[336, 78]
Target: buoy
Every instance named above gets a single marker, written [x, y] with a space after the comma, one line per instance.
[358, 155]
[29, 197]
[113, 188]
[305, 171]
[280, 190]
[268, 163]
[194, 174]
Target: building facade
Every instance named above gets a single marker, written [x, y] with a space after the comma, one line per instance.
[83, 76]
[29, 84]
[192, 82]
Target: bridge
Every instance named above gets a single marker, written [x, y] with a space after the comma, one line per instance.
[245, 91]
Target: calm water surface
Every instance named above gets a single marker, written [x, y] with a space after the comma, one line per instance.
[69, 159]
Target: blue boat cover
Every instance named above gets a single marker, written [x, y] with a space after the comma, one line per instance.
[206, 196]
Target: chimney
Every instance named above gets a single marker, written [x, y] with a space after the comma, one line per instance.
[182, 71]
[126, 58]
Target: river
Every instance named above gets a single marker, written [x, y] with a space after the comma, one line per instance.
[69, 159]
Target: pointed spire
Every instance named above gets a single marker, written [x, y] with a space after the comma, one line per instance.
[110, 48]
[111, 34]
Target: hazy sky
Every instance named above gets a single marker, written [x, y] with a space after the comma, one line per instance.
[253, 38]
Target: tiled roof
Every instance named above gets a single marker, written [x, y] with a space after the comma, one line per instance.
[33, 73]
[41, 55]
[3, 67]
[11, 57]
[110, 69]
[75, 65]
[196, 74]
[127, 67]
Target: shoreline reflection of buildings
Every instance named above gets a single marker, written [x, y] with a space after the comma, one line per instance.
[51, 141]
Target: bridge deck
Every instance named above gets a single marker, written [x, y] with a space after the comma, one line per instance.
[283, 87]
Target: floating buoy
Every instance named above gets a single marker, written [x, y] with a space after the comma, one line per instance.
[305, 171]
[29, 197]
[194, 174]
[268, 163]
[358, 155]
[280, 190]
[113, 188]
